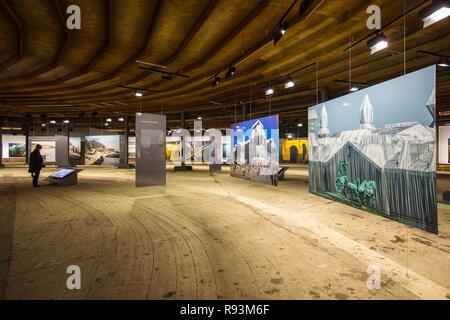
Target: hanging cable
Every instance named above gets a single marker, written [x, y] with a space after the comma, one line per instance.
[317, 82]
[350, 65]
[404, 37]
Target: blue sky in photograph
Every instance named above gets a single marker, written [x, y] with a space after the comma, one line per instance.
[402, 99]
[75, 141]
[111, 142]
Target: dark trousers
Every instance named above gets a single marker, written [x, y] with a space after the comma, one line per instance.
[35, 176]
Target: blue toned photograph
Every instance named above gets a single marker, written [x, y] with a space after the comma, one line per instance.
[255, 146]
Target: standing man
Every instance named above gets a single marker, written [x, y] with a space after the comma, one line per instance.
[36, 164]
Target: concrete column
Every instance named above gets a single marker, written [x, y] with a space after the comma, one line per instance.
[183, 146]
[27, 144]
[68, 141]
[1, 148]
[126, 141]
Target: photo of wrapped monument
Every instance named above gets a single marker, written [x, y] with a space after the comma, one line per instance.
[376, 149]
[255, 149]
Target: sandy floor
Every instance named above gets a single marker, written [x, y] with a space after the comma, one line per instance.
[209, 236]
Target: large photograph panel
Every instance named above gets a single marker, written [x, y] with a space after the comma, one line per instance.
[255, 147]
[48, 151]
[74, 148]
[102, 150]
[376, 149]
[16, 150]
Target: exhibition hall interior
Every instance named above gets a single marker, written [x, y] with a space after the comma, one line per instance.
[224, 150]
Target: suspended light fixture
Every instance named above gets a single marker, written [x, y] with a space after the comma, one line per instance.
[378, 43]
[199, 118]
[269, 92]
[121, 119]
[109, 120]
[281, 30]
[300, 125]
[66, 121]
[289, 83]
[43, 124]
[444, 62]
[354, 89]
[216, 81]
[106, 124]
[52, 121]
[138, 94]
[437, 11]
[231, 72]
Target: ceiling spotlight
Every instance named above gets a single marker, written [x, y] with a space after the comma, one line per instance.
[138, 94]
[121, 119]
[199, 118]
[66, 121]
[444, 62]
[283, 28]
[280, 32]
[354, 89]
[109, 120]
[269, 92]
[289, 83]
[216, 81]
[43, 124]
[300, 125]
[52, 121]
[378, 43]
[437, 11]
[231, 72]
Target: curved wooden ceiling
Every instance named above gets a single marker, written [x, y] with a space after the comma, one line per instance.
[45, 68]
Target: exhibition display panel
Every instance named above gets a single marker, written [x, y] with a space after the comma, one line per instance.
[102, 150]
[376, 149]
[14, 148]
[75, 148]
[132, 149]
[54, 149]
[150, 149]
[64, 177]
[294, 150]
[255, 148]
[444, 144]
